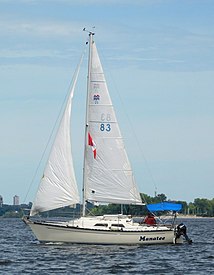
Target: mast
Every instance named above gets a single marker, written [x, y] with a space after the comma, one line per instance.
[91, 34]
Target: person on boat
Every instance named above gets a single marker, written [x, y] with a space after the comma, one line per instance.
[150, 219]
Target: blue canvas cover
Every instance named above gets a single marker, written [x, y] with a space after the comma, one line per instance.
[164, 206]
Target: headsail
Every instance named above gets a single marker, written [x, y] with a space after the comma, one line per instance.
[108, 176]
[58, 186]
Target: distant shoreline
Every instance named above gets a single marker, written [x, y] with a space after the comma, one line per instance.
[181, 216]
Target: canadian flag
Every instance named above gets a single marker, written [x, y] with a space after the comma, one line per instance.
[92, 144]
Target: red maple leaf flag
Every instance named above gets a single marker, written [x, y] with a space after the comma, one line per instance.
[92, 144]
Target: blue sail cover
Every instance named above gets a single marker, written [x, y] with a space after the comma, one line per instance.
[164, 206]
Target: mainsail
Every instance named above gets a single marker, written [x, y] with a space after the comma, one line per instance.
[108, 174]
[58, 186]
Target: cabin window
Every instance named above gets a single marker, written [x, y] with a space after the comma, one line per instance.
[118, 225]
[101, 224]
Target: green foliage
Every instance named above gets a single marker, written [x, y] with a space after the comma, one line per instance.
[116, 209]
[12, 211]
[147, 199]
[200, 207]
[204, 207]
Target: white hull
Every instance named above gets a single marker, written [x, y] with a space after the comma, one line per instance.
[71, 233]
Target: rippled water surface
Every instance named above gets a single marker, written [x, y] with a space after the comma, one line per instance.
[20, 253]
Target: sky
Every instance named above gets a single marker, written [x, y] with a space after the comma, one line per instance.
[158, 56]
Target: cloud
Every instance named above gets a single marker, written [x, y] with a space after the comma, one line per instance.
[90, 2]
[45, 28]
[27, 54]
[27, 42]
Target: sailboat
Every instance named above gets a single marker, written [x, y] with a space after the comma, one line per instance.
[107, 176]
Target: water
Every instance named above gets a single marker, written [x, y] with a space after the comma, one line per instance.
[20, 253]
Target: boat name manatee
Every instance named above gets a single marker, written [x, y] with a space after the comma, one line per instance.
[144, 238]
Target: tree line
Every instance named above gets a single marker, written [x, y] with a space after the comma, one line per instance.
[199, 207]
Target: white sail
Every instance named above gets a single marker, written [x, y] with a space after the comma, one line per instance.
[58, 186]
[108, 174]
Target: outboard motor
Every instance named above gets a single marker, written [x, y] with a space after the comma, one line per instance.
[181, 230]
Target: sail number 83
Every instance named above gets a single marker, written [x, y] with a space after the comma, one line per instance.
[105, 127]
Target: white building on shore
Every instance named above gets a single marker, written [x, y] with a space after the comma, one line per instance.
[1, 201]
[16, 200]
